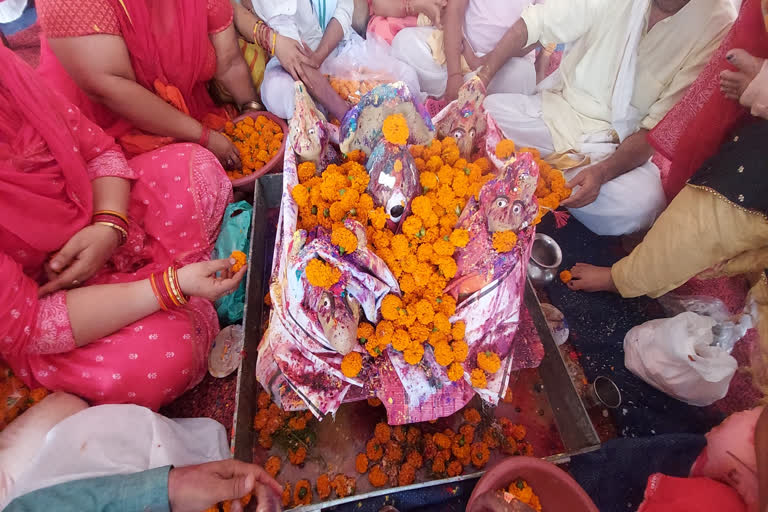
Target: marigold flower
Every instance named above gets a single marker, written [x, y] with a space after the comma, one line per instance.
[272, 466]
[441, 322]
[443, 247]
[504, 241]
[412, 226]
[364, 331]
[460, 350]
[385, 330]
[344, 239]
[302, 494]
[566, 276]
[361, 463]
[505, 149]
[443, 353]
[438, 465]
[343, 485]
[321, 274]
[477, 377]
[373, 347]
[400, 246]
[448, 305]
[286, 496]
[407, 283]
[410, 263]
[419, 333]
[374, 450]
[378, 218]
[428, 180]
[395, 129]
[424, 312]
[300, 194]
[488, 361]
[437, 337]
[390, 307]
[441, 440]
[407, 474]
[421, 206]
[351, 364]
[455, 468]
[414, 354]
[297, 456]
[240, 260]
[417, 150]
[459, 237]
[297, 423]
[434, 164]
[450, 154]
[455, 371]
[306, 171]
[448, 267]
[377, 477]
[480, 454]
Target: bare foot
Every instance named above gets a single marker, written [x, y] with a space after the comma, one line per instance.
[733, 83]
[589, 278]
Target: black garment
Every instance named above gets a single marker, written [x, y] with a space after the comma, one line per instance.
[739, 170]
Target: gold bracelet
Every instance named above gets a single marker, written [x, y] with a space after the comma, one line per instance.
[274, 41]
[112, 212]
[123, 232]
[174, 280]
[251, 105]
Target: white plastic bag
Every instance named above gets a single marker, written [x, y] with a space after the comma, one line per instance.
[676, 356]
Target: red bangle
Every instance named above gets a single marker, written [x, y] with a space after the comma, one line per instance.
[158, 296]
[204, 136]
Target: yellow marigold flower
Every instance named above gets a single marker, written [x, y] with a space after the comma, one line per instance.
[448, 267]
[380, 239]
[443, 353]
[478, 379]
[443, 247]
[378, 218]
[455, 371]
[300, 194]
[449, 220]
[364, 331]
[434, 163]
[352, 364]
[240, 260]
[400, 340]
[417, 150]
[441, 322]
[435, 147]
[384, 331]
[400, 246]
[344, 239]
[431, 235]
[460, 350]
[436, 337]
[428, 180]
[432, 220]
[421, 206]
[405, 320]
[488, 361]
[424, 252]
[504, 241]
[337, 211]
[306, 171]
[321, 274]
[349, 198]
[419, 333]
[390, 307]
[445, 175]
[410, 263]
[414, 354]
[566, 276]
[373, 347]
[461, 185]
[395, 129]
[505, 149]
[424, 311]
[407, 284]
[450, 154]
[412, 226]
[448, 305]
[458, 330]
[446, 198]
[459, 237]
[422, 274]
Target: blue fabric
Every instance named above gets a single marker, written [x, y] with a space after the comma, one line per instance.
[26, 20]
[443, 498]
[146, 491]
[615, 477]
[598, 324]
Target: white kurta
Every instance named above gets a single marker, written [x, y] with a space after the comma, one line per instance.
[574, 110]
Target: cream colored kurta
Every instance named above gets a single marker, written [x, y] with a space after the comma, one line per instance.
[669, 59]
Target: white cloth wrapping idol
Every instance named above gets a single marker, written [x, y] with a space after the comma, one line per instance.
[119, 439]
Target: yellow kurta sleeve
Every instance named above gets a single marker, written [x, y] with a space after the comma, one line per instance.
[692, 66]
[561, 21]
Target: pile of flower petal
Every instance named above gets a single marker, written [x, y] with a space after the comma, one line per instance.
[15, 397]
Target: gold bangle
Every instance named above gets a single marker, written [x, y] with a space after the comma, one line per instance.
[175, 286]
[251, 105]
[112, 212]
[274, 41]
[169, 289]
[123, 232]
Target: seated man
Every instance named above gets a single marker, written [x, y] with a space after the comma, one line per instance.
[314, 30]
[627, 63]
[443, 59]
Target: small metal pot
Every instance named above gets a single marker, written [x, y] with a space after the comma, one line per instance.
[545, 261]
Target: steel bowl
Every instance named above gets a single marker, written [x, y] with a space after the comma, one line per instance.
[546, 258]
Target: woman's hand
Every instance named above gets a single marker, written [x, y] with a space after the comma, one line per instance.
[224, 150]
[80, 258]
[291, 55]
[433, 9]
[200, 279]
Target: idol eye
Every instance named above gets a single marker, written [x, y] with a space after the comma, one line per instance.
[458, 133]
[472, 132]
[311, 131]
[517, 209]
[502, 202]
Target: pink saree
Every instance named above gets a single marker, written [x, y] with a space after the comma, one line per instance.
[49, 154]
[171, 56]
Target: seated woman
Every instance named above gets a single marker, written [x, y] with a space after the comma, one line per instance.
[139, 69]
[314, 31]
[88, 303]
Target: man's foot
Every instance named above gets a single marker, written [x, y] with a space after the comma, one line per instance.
[589, 278]
[733, 83]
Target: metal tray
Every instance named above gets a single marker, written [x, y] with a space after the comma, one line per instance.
[555, 398]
